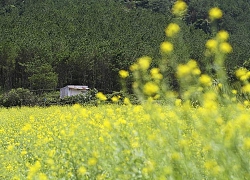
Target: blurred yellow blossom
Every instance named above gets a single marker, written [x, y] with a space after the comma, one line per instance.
[172, 29]
[23, 153]
[246, 88]
[205, 80]
[178, 102]
[234, 91]
[127, 101]
[183, 70]
[107, 124]
[115, 99]
[123, 73]
[133, 67]
[34, 169]
[150, 88]
[223, 35]
[10, 147]
[179, 8]
[155, 73]
[192, 64]
[215, 13]
[42, 176]
[211, 44]
[241, 72]
[196, 71]
[101, 96]
[144, 62]
[225, 47]
[166, 47]
[92, 161]
[81, 170]
[175, 156]
[246, 103]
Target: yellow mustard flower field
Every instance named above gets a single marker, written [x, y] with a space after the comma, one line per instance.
[148, 141]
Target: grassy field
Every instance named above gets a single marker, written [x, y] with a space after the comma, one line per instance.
[148, 141]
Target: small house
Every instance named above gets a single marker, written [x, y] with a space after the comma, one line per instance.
[72, 90]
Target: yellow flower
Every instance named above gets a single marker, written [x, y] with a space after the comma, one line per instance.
[183, 70]
[234, 91]
[144, 62]
[27, 127]
[205, 80]
[246, 102]
[179, 8]
[115, 99]
[166, 47]
[155, 73]
[50, 162]
[23, 153]
[175, 156]
[246, 88]
[127, 101]
[178, 102]
[92, 161]
[211, 44]
[215, 13]
[107, 124]
[10, 147]
[196, 71]
[133, 67]
[210, 164]
[241, 72]
[123, 73]
[226, 47]
[192, 64]
[150, 88]
[223, 35]
[34, 169]
[172, 29]
[81, 170]
[135, 144]
[101, 96]
[246, 143]
[42, 176]
[51, 152]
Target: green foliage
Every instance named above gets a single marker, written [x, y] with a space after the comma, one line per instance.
[53, 98]
[18, 97]
[83, 42]
[87, 42]
[83, 99]
[42, 76]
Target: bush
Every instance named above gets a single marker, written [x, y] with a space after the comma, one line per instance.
[18, 97]
[51, 98]
[83, 99]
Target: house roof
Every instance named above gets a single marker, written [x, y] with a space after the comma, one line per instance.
[78, 87]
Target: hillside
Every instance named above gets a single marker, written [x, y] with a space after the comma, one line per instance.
[48, 44]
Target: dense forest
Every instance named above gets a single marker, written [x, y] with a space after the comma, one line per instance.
[47, 44]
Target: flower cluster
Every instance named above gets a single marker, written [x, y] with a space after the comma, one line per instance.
[219, 43]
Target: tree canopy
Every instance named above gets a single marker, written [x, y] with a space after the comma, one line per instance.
[46, 44]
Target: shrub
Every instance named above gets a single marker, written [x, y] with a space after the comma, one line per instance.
[84, 99]
[18, 97]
